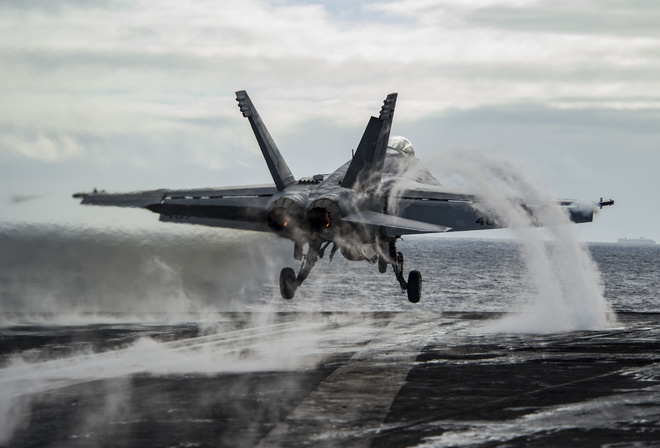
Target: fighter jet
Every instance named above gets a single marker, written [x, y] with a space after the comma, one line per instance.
[360, 210]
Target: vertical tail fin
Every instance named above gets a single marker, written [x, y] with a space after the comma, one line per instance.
[366, 168]
[276, 163]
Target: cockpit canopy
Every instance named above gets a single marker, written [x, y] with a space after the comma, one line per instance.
[400, 146]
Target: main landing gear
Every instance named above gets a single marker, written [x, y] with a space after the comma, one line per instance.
[414, 284]
[289, 281]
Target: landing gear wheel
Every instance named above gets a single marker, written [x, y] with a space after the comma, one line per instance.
[414, 286]
[382, 264]
[288, 283]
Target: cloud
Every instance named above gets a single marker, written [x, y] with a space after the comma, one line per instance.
[627, 19]
[313, 50]
[51, 7]
[43, 147]
[625, 121]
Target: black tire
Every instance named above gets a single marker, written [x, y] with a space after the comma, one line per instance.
[414, 286]
[287, 283]
[382, 264]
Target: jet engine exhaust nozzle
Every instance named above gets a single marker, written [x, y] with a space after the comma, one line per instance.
[324, 216]
[285, 215]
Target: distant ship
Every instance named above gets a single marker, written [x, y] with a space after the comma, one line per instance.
[636, 241]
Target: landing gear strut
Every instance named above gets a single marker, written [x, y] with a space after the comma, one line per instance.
[414, 284]
[289, 281]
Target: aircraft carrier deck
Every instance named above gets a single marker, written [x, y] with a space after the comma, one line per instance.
[385, 379]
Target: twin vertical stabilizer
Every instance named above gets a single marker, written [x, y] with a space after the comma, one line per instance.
[366, 168]
[276, 164]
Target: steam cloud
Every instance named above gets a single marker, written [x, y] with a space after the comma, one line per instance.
[264, 345]
[55, 272]
[565, 281]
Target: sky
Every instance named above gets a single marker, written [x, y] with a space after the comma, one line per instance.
[130, 95]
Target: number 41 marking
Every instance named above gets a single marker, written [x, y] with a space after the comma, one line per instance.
[487, 221]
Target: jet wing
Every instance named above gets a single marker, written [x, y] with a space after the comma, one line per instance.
[394, 225]
[460, 211]
[232, 207]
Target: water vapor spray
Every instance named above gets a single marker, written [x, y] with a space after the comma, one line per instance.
[235, 347]
[566, 287]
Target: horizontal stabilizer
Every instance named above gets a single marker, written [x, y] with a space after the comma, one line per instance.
[394, 224]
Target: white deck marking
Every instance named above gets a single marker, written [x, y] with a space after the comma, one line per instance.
[354, 400]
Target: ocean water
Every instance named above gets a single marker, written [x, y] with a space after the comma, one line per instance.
[185, 274]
